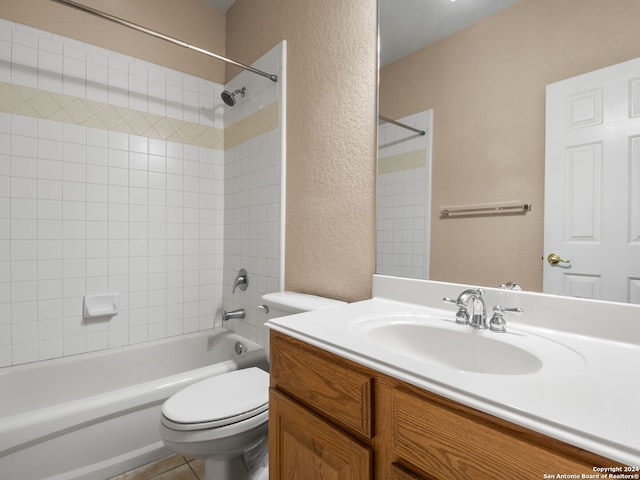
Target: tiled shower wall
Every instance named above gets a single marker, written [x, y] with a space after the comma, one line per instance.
[404, 197]
[112, 179]
[254, 153]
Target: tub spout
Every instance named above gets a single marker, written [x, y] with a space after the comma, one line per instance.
[238, 314]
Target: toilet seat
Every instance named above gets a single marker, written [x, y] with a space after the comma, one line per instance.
[218, 401]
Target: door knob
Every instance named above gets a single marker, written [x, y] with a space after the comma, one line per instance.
[555, 259]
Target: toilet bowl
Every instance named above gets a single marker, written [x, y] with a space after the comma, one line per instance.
[224, 419]
[219, 419]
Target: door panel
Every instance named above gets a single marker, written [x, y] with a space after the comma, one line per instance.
[304, 446]
[592, 184]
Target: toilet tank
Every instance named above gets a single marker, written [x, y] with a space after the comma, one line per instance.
[289, 303]
[281, 304]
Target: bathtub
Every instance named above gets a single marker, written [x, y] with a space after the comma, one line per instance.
[95, 415]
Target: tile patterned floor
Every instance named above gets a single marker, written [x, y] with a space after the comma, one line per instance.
[170, 468]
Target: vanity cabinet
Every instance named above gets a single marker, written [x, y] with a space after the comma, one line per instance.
[333, 418]
[320, 416]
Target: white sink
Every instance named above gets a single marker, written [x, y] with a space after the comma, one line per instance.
[436, 341]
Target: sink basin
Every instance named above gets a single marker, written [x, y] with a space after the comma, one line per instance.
[433, 340]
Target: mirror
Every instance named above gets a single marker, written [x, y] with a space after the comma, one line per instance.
[484, 86]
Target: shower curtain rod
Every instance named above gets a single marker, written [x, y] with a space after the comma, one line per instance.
[153, 33]
[388, 120]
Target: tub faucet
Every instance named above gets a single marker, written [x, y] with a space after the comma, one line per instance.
[233, 314]
[479, 316]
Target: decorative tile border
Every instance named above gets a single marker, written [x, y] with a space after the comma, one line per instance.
[264, 120]
[33, 102]
[402, 161]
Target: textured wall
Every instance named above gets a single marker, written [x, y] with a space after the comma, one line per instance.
[486, 85]
[191, 21]
[331, 134]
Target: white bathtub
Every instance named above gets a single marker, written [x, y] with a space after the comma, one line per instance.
[96, 415]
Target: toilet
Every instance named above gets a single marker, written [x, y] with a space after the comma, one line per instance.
[224, 419]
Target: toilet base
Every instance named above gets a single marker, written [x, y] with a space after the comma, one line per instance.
[234, 469]
[252, 465]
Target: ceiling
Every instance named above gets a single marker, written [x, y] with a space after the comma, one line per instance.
[409, 25]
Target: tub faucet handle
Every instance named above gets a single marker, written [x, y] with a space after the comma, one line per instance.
[241, 281]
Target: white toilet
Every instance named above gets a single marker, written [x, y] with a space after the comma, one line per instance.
[224, 419]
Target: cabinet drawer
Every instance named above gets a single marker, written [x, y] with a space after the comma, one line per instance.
[453, 444]
[333, 389]
[302, 445]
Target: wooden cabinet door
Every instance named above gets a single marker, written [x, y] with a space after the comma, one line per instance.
[330, 387]
[303, 445]
[453, 442]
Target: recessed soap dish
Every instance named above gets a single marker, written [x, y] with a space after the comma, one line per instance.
[99, 306]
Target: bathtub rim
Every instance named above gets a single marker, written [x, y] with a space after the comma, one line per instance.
[19, 430]
[133, 346]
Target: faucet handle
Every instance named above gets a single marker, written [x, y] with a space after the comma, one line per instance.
[511, 286]
[497, 322]
[462, 315]
[241, 281]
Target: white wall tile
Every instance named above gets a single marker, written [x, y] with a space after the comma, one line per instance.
[24, 352]
[74, 344]
[85, 210]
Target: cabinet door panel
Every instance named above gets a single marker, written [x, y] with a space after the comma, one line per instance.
[329, 387]
[304, 446]
[449, 445]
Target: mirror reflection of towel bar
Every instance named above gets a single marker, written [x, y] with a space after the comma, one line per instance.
[485, 209]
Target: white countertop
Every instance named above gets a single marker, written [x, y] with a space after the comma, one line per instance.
[591, 401]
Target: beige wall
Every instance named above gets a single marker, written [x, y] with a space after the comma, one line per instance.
[331, 134]
[331, 116]
[191, 21]
[486, 85]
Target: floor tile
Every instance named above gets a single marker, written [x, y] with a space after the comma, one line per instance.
[168, 468]
[183, 472]
[198, 467]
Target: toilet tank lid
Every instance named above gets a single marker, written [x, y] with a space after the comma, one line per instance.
[295, 302]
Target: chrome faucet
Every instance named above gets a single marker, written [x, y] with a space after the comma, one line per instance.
[462, 315]
[479, 311]
[479, 317]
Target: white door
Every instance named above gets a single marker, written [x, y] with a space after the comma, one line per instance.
[592, 185]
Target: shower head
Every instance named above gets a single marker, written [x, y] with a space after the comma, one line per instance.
[230, 98]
